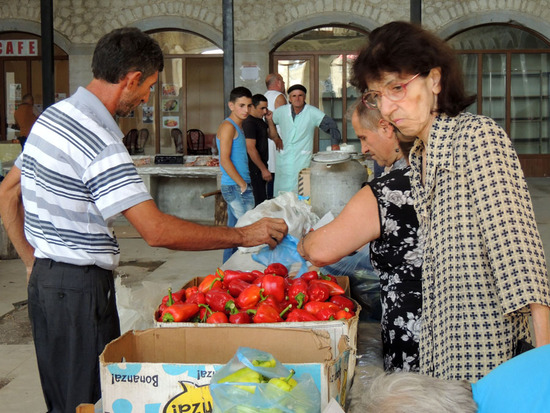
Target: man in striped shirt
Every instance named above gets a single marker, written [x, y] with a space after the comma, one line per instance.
[58, 204]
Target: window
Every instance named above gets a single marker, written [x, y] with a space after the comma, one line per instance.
[508, 67]
[188, 95]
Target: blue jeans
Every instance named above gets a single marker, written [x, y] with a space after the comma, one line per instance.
[237, 205]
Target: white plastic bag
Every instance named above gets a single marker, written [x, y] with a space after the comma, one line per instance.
[295, 212]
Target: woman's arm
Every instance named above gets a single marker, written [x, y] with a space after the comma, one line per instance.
[541, 323]
[355, 226]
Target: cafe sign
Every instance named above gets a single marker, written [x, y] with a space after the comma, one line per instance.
[23, 47]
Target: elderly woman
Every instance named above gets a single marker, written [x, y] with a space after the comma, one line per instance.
[381, 212]
[484, 269]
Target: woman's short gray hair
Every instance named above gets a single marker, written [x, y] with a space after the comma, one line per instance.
[411, 393]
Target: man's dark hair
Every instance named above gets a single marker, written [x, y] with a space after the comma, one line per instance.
[126, 50]
[257, 99]
[239, 92]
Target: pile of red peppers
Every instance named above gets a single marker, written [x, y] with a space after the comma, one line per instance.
[271, 296]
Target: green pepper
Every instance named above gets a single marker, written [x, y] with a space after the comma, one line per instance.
[284, 383]
[244, 375]
[264, 363]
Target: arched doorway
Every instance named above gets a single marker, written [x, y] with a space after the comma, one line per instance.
[320, 58]
[508, 67]
[188, 95]
[21, 73]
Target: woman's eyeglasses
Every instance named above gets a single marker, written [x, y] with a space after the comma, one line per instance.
[394, 92]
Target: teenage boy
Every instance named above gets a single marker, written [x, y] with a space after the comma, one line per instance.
[235, 183]
[258, 133]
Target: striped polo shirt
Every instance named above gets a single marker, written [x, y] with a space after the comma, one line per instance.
[76, 177]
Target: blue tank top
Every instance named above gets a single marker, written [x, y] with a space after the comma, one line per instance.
[239, 157]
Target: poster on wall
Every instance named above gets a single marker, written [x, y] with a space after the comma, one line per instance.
[15, 91]
[148, 113]
[170, 122]
[169, 89]
[170, 105]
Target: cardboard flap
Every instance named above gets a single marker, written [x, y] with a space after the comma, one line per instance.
[217, 345]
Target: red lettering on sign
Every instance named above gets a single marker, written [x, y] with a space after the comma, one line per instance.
[20, 46]
[9, 48]
[32, 45]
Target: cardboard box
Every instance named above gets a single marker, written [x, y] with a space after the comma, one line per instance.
[169, 369]
[336, 328]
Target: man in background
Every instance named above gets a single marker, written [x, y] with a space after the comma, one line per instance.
[258, 133]
[275, 95]
[58, 204]
[298, 121]
[25, 118]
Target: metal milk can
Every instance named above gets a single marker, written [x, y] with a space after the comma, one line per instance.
[335, 178]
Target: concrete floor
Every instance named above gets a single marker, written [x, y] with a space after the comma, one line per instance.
[22, 394]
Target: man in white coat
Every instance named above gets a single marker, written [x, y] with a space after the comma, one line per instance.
[297, 122]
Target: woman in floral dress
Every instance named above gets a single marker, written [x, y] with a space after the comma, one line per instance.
[381, 213]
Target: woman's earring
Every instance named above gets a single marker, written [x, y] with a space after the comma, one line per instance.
[397, 150]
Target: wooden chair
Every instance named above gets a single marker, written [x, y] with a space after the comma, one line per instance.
[196, 144]
[177, 137]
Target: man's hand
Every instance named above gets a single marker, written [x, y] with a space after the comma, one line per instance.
[270, 231]
[335, 147]
[278, 143]
[268, 116]
[266, 175]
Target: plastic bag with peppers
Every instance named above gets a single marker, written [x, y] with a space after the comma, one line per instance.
[255, 380]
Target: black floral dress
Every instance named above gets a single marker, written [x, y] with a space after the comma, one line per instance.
[397, 259]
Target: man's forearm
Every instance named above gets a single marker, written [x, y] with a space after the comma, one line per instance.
[13, 216]
[329, 126]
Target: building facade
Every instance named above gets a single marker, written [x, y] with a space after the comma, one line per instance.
[310, 41]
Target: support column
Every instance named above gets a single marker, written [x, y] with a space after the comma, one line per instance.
[48, 80]
[228, 52]
[416, 11]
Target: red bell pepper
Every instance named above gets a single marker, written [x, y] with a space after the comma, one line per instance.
[172, 298]
[274, 285]
[197, 298]
[266, 313]
[258, 280]
[220, 300]
[343, 302]
[179, 312]
[190, 291]
[217, 318]
[318, 292]
[327, 314]
[160, 310]
[250, 296]
[272, 301]
[240, 317]
[276, 268]
[299, 315]
[310, 275]
[209, 282]
[335, 289]
[314, 307]
[204, 312]
[343, 315]
[297, 293]
[230, 275]
[257, 273]
[235, 287]
[328, 277]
